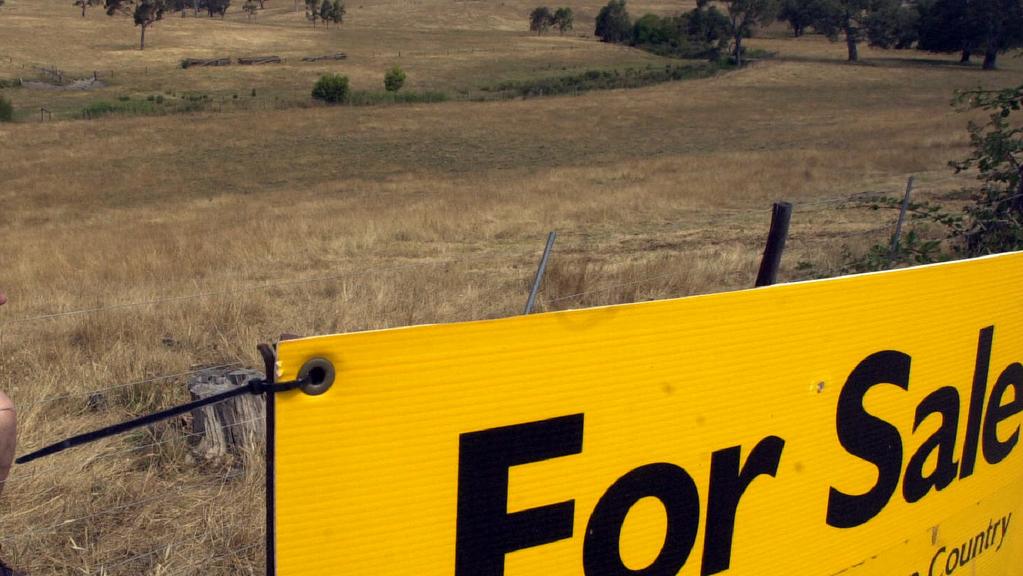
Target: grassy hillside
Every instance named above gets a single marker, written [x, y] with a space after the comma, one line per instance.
[283, 216]
[454, 47]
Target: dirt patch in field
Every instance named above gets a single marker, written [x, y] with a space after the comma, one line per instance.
[83, 84]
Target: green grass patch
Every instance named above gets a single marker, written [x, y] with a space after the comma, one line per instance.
[6, 110]
[129, 107]
[151, 105]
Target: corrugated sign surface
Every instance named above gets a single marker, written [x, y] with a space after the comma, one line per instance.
[861, 425]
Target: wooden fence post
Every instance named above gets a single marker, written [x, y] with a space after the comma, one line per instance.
[229, 427]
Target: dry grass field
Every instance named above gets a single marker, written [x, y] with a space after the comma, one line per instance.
[189, 238]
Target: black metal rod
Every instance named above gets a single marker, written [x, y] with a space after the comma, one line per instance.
[130, 424]
[538, 279]
[781, 213]
[270, 364]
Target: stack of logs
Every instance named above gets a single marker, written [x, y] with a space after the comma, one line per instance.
[192, 62]
[334, 56]
[247, 61]
[250, 60]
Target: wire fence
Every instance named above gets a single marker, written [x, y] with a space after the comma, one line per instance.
[279, 283]
[99, 391]
[162, 553]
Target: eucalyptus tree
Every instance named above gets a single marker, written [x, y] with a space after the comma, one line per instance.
[563, 19]
[743, 16]
[540, 20]
[145, 13]
[86, 4]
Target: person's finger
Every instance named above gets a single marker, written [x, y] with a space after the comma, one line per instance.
[3, 298]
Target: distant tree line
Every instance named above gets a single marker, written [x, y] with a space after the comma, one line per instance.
[967, 27]
[988, 27]
[211, 7]
[701, 32]
[145, 13]
[541, 19]
[326, 11]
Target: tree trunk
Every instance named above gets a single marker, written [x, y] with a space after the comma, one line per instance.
[797, 30]
[83, 8]
[990, 59]
[964, 58]
[229, 428]
[142, 38]
[1017, 203]
[851, 41]
[738, 50]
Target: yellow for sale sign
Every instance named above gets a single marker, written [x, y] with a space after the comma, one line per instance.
[859, 425]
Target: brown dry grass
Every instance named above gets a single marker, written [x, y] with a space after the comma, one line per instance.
[391, 215]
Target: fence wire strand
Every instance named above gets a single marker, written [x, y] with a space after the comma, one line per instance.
[26, 406]
[229, 292]
[165, 548]
[234, 553]
[103, 568]
[610, 287]
[155, 301]
[177, 438]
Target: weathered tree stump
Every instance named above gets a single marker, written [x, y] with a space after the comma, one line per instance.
[231, 427]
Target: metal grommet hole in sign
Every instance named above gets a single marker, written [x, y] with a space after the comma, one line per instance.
[318, 376]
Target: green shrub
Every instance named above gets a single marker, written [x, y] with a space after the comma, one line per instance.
[6, 110]
[394, 79]
[605, 80]
[332, 89]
